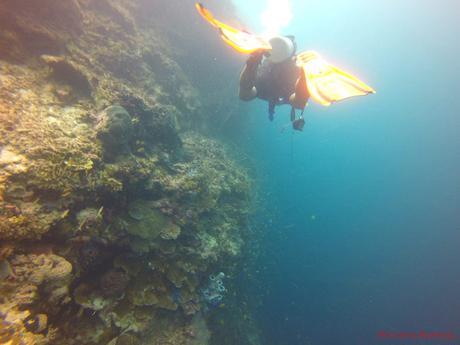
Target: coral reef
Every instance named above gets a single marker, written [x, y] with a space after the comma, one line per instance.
[115, 203]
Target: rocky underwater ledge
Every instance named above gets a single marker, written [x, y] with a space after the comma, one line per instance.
[121, 220]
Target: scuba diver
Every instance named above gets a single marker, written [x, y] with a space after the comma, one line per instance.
[274, 72]
[278, 80]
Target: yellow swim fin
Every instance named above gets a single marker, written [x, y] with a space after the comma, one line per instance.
[241, 41]
[328, 84]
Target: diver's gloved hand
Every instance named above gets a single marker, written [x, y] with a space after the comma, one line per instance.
[298, 124]
[255, 58]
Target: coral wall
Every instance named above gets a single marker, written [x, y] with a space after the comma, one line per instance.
[115, 204]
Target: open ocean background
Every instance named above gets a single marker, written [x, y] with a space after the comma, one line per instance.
[364, 229]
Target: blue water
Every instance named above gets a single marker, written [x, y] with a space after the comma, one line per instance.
[364, 228]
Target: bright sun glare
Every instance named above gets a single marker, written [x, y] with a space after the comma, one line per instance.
[276, 16]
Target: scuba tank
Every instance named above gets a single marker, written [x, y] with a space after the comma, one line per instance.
[283, 48]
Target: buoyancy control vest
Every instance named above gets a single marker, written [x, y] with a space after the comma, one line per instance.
[275, 82]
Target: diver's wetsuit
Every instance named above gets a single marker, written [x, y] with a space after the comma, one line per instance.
[275, 83]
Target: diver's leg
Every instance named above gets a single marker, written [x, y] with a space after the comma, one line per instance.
[300, 97]
[299, 100]
[248, 76]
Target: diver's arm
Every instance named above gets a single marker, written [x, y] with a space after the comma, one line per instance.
[248, 76]
[248, 90]
[301, 95]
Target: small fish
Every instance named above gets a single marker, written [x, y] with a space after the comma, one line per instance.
[66, 193]
[65, 214]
